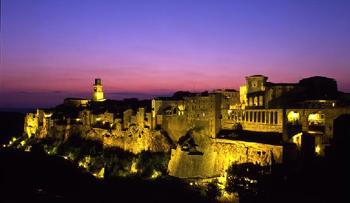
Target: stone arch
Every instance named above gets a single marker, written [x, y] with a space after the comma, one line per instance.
[316, 119]
[256, 101]
[293, 118]
[250, 101]
[261, 101]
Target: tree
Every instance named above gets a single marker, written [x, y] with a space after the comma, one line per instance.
[213, 190]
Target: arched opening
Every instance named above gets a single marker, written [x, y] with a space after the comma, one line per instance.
[250, 101]
[255, 101]
[294, 118]
[261, 100]
[316, 119]
[316, 122]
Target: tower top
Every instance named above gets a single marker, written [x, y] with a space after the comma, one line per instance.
[97, 81]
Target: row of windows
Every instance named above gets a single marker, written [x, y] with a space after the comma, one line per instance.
[270, 117]
[256, 101]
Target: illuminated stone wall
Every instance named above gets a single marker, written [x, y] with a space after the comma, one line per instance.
[135, 137]
[322, 133]
[176, 126]
[219, 155]
[229, 151]
[136, 141]
[38, 124]
[183, 165]
[31, 124]
[259, 120]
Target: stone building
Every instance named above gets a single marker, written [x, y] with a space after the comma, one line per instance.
[98, 93]
[210, 130]
[309, 106]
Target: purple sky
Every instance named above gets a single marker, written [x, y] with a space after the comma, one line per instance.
[52, 49]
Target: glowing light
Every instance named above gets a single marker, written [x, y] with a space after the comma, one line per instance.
[191, 184]
[333, 104]
[156, 174]
[4, 145]
[133, 168]
[100, 174]
[48, 115]
[181, 107]
[318, 149]
[295, 115]
[313, 116]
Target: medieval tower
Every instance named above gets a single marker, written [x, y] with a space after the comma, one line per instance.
[98, 93]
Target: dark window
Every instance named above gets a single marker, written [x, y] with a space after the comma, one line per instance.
[271, 117]
[276, 118]
[254, 116]
[263, 117]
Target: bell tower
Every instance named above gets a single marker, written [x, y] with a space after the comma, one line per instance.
[98, 93]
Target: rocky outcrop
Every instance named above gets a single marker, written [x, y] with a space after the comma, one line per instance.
[153, 141]
[219, 155]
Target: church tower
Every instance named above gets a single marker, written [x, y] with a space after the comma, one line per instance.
[98, 93]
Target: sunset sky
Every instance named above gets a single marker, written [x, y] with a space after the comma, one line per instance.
[53, 49]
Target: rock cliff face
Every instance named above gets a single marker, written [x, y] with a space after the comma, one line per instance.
[183, 164]
[136, 142]
[218, 156]
[229, 152]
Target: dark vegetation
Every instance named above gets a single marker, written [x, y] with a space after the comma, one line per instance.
[11, 125]
[314, 180]
[89, 154]
[31, 177]
[213, 190]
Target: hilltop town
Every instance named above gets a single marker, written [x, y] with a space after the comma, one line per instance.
[263, 123]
